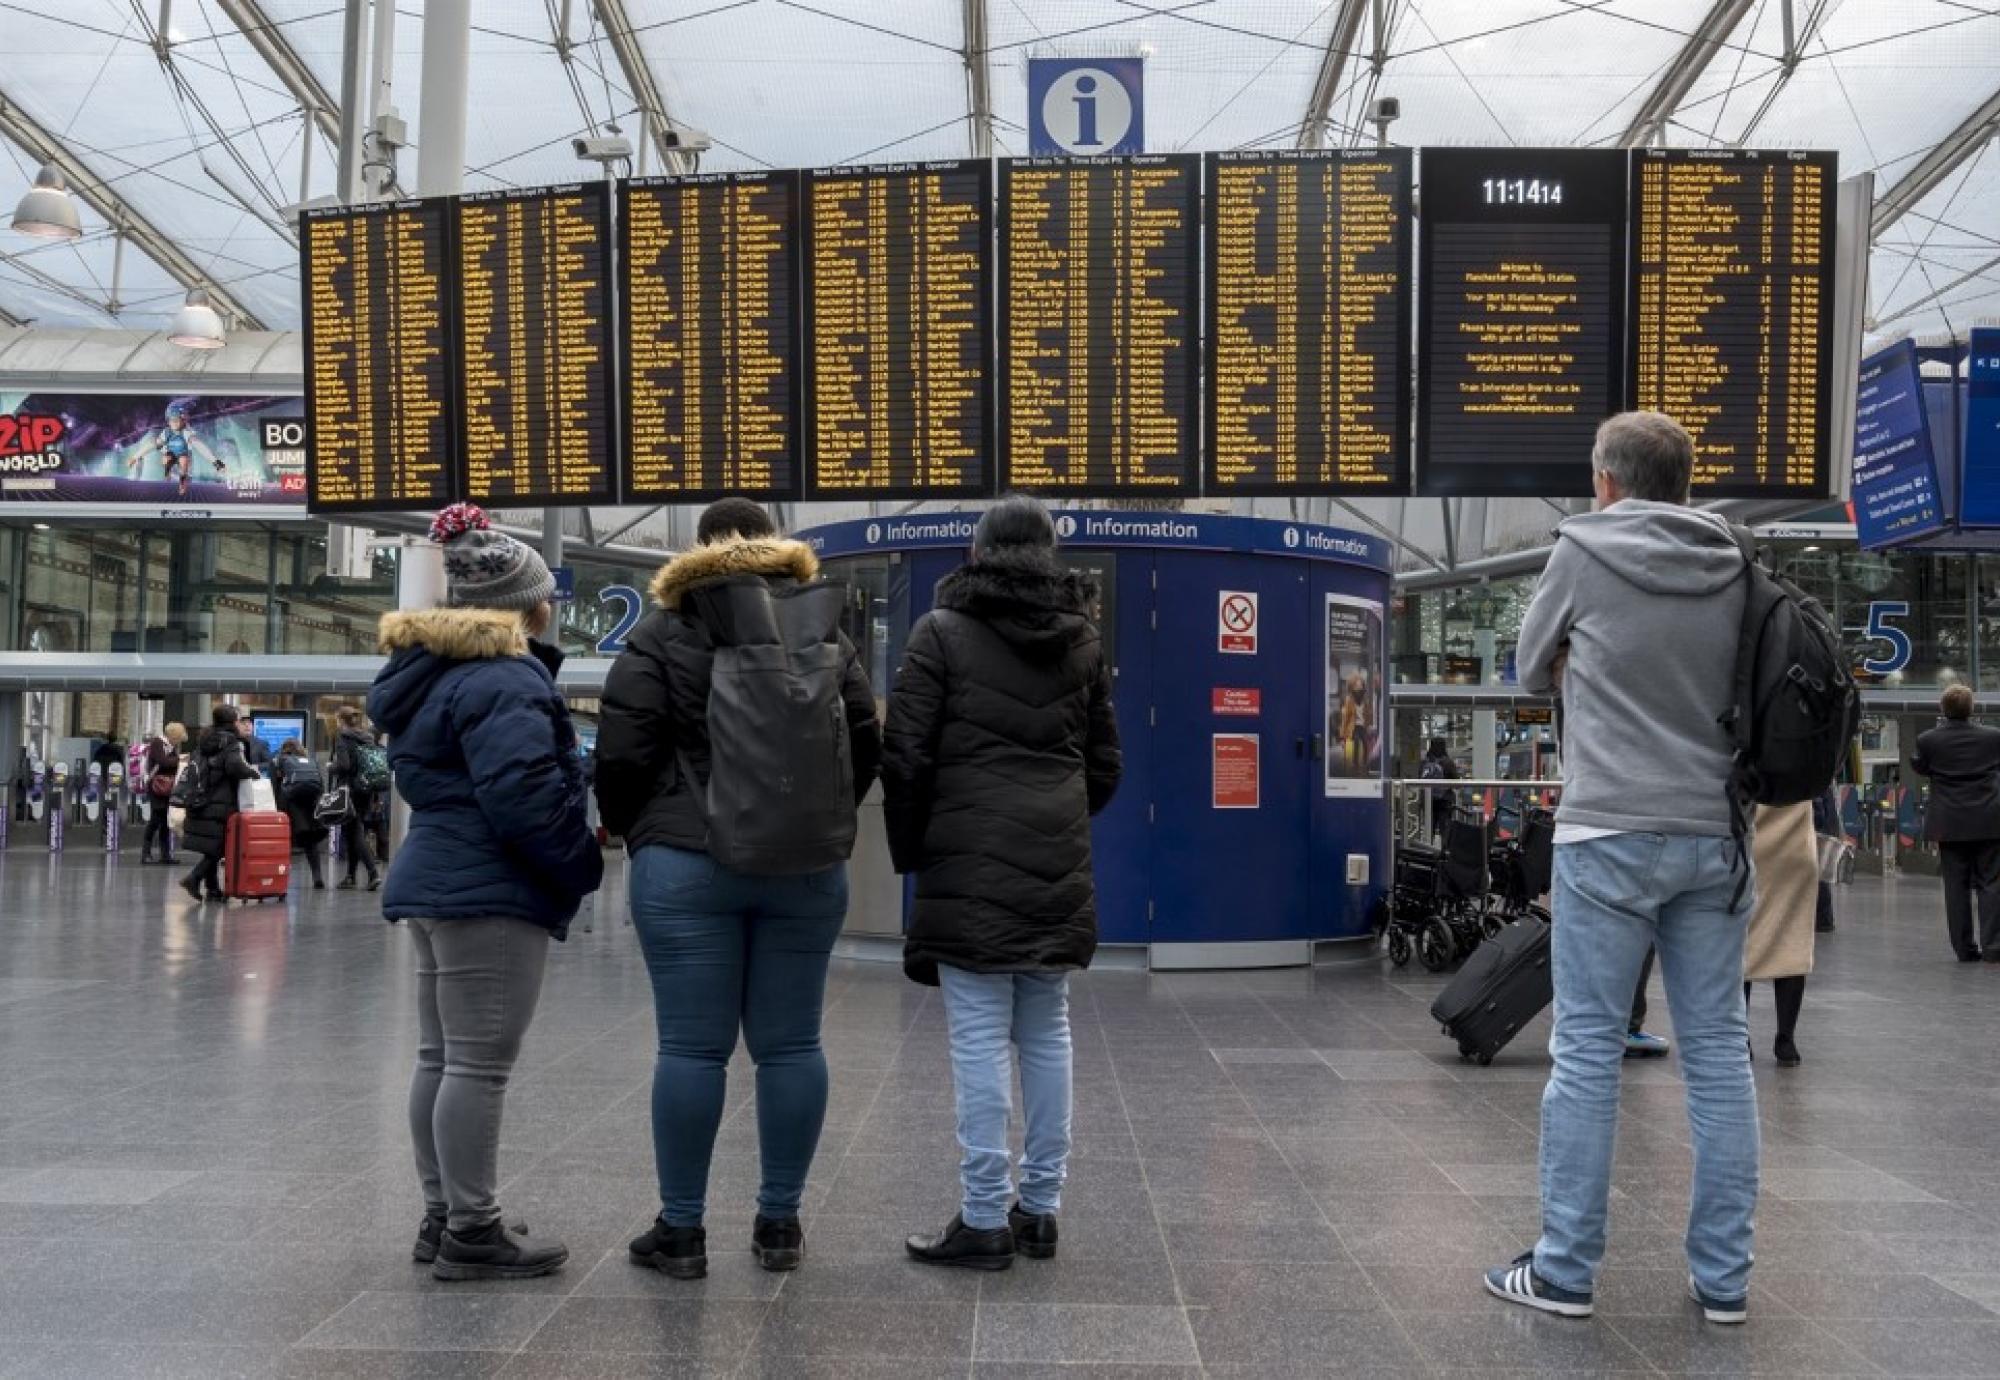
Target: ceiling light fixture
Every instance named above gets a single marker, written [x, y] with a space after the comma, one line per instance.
[196, 325]
[48, 211]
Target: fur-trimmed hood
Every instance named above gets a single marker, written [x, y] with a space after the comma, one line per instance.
[778, 557]
[425, 645]
[455, 634]
[1043, 611]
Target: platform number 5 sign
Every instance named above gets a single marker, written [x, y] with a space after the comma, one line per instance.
[1236, 622]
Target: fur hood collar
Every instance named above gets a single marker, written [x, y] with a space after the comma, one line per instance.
[778, 557]
[456, 634]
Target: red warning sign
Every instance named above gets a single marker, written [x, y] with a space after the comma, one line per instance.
[1236, 622]
[1227, 703]
[1235, 771]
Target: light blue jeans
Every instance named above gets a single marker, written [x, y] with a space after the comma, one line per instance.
[987, 1012]
[1615, 896]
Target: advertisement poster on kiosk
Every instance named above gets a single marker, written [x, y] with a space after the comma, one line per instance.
[1356, 692]
[169, 451]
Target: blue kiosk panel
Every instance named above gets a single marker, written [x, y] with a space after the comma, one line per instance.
[1249, 665]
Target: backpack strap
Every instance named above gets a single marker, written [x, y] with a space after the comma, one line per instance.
[1735, 721]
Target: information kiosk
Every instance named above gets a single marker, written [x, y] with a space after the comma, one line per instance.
[1249, 664]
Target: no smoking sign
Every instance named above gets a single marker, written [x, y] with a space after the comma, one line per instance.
[1236, 623]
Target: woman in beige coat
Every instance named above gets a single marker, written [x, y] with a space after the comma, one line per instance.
[1780, 942]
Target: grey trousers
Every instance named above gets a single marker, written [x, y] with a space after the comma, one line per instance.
[477, 985]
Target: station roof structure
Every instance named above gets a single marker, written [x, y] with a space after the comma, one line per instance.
[192, 129]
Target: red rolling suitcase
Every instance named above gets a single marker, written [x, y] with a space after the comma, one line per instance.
[257, 855]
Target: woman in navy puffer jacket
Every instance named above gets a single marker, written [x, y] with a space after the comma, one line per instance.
[498, 858]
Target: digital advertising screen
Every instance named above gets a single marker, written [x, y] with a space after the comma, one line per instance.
[380, 393]
[711, 397]
[1731, 312]
[1979, 480]
[898, 339]
[535, 382]
[1895, 492]
[1308, 322]
[1098, 325]
[1520, 312]
[169, 451]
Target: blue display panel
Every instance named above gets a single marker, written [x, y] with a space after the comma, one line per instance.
[1896, 494]
[1979, 483]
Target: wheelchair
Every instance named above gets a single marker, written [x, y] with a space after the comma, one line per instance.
[1438, 902]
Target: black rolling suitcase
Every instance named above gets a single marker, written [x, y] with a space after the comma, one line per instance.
[1504, 984]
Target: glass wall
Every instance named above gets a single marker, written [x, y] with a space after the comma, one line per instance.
[234, 591]
[1945, 607]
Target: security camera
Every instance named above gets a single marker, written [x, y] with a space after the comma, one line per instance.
[684, 140]
[602, 149]
[1387, 108]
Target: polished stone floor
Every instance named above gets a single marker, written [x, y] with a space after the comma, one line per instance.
[203, 1171]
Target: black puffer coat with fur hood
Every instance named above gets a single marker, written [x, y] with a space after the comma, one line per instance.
[1001, 744]
[656, 696]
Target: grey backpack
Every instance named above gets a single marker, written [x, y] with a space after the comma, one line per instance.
[779, 800]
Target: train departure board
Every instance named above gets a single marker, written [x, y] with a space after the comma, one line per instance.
[898, 339]
[535, 380]
[711, 396]
[1308, 310]
[1520, 317]
[1732, 312]
[379, 356]
[1098, 324]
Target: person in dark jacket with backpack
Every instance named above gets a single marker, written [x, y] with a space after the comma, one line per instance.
[1962, 760]
[219, 765]
[1001, 745]
[298, 784]
[360, 765]
[738, 816]
[497, 862]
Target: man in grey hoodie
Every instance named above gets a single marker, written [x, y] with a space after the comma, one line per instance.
[1635, 624]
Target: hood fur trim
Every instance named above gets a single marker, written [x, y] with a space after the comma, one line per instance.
[456, 634]
[718, 560]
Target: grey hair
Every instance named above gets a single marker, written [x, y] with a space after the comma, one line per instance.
[1648, 455]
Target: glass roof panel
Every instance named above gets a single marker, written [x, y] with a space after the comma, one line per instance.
[1525, 71]
[782, 85]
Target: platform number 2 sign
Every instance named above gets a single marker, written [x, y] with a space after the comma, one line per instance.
[1881, 630]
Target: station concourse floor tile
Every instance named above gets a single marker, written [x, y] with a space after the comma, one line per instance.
[204, 1170]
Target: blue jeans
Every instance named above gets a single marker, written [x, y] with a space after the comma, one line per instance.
[987, 1012]
[1614, 896]
[724, 950]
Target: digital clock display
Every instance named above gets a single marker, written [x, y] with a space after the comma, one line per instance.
[1520, 316]
[1522, 191]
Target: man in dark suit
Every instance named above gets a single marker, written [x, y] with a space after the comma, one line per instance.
[1962, 759]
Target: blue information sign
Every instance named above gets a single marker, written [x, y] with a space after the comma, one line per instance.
[1895, 467]
[1979, 483]
[1086, 106]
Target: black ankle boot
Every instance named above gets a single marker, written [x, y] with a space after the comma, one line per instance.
[779, 1243]
[965, 1247]
[1034, 1232]
[496, 1251]
[677, 1252]
[1787, 1053]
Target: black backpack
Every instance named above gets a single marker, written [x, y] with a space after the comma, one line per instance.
[1796, 706]
[779, 799]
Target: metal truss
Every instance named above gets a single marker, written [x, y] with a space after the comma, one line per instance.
[1650, 120]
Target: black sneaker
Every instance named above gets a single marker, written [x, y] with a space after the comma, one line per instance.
[677, 1252]
[966, 1247]
[191, 887]
[428, 1237]
[375, 882]
[496, 1251]
[779, 1243]
[1034, 1232]
[344, 884]
[1719, 1310]
[1518, 1283]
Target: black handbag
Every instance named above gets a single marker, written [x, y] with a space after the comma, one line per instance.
[334, 807]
